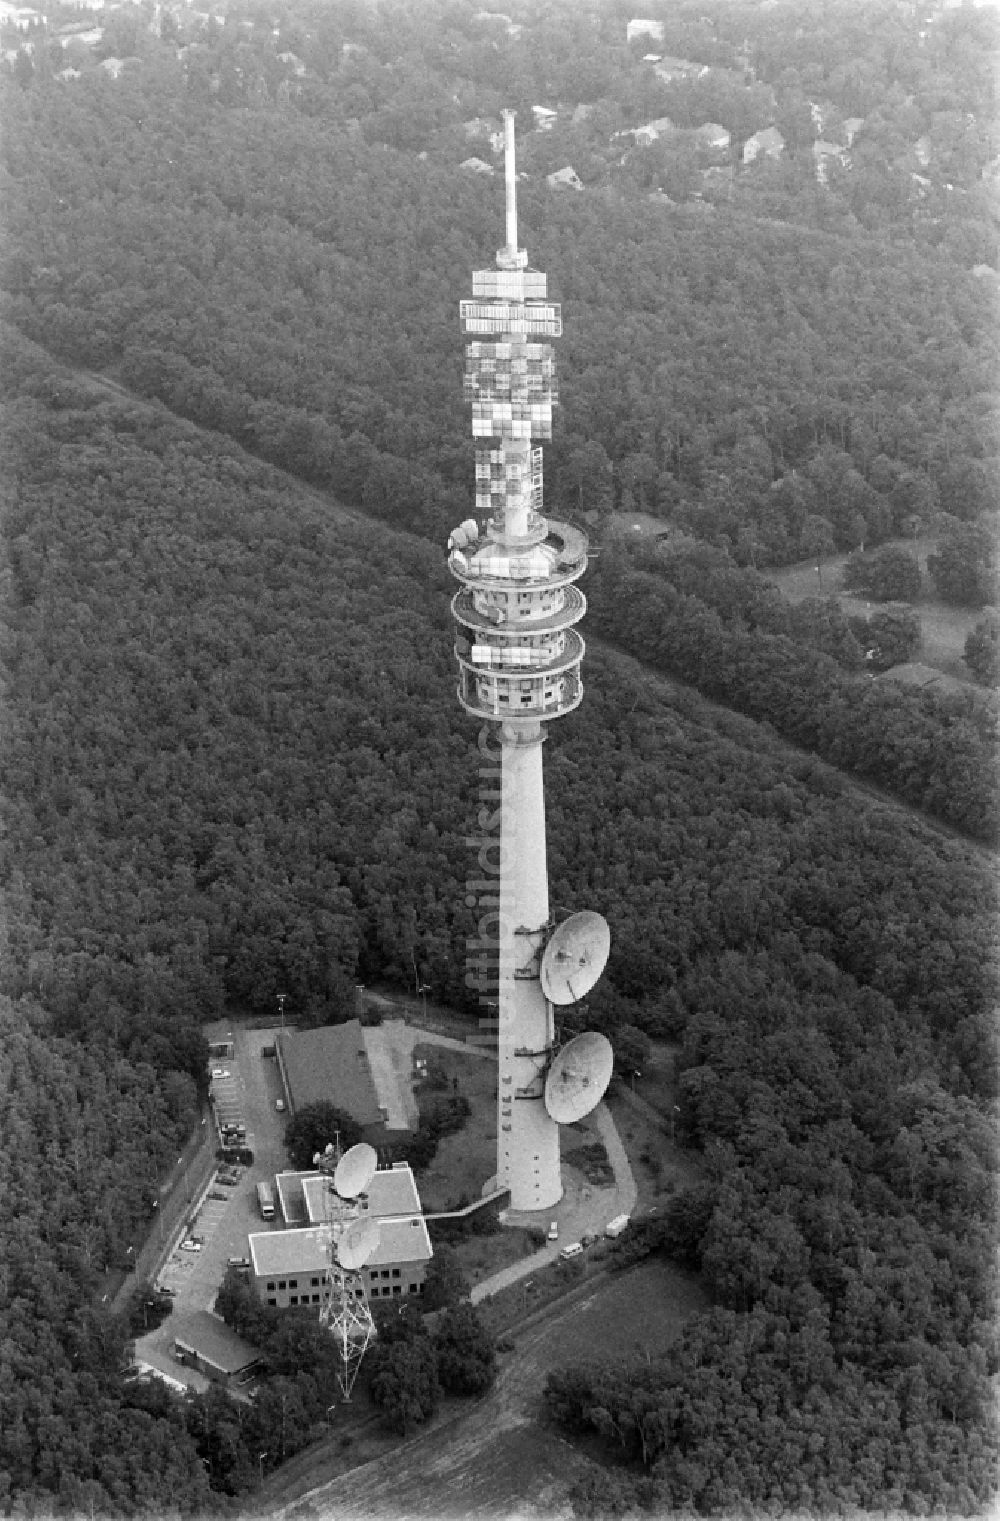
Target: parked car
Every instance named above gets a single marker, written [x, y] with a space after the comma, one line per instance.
[221, 1072]
[573, 1250]
[554, 1231]
[215, 1194]
[190, 1246]
[279, 1104]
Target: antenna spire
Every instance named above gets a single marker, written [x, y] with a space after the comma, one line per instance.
[510, 179]
[510, 256]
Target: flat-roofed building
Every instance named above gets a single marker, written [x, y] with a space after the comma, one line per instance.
[203, 1341]
[288, 1267]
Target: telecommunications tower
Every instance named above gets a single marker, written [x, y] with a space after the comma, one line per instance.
[351, 1239]
[519, 661]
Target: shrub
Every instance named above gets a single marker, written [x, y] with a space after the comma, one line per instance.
[982, 650]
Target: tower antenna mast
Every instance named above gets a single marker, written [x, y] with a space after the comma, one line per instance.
[510, 180]
[519, 658]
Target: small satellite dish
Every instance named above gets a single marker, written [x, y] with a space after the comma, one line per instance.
[357, 1244]
[578, 1077]
[575, 957]
[355, 1171]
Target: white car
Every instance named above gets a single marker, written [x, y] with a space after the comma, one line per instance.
[279, 1104]
[190, 1246]
[554, 1231]
[221, 1072]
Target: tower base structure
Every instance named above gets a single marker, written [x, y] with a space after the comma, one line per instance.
[527, 1139]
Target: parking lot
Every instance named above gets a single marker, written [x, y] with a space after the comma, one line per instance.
[247, 1093]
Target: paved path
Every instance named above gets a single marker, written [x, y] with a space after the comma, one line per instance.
[390, 1067]
[582, 1208]
[403, 1036]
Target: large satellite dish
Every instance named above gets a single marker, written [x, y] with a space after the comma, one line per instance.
[355, 1171]
[578, 1077]
[575, 957]
[357, 1244]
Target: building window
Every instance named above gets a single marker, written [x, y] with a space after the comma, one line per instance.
[396, 1273]
[282, 1284]
[314, 1282]
[273, 1301]
[270, 1287]
[385, 1272]
[315, 1299]
[293, 1299]
[413, 1289]
[293, 1283]
[397, 1288]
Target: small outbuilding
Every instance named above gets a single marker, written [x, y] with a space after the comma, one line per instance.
[204, 1342]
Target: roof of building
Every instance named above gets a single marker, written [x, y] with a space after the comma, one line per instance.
[330, 1065]
[213, 1341]
[275, 1253]
[654, 128]
[768, 137]
[566, 176]
[392, 1191]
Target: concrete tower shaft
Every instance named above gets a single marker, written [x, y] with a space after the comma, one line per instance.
[519, 659]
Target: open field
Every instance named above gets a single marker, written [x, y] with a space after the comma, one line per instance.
[944, 629]
[496, 1458]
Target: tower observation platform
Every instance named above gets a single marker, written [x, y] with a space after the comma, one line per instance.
[519, 656]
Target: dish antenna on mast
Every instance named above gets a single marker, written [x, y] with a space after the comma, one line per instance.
[355, 1171]
[579, 1076]
[356, 1244]
[575, 957]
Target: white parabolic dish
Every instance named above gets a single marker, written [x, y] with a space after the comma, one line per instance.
[578, 1077]
[575, 957]
[357, 1244]
[355, 1170]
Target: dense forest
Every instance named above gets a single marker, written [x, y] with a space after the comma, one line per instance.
[233, 761]
[234, 765]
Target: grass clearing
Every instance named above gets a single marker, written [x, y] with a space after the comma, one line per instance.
[944, 629]
[482, 1256]
[465, 1160]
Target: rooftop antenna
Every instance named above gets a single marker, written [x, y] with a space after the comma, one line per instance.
[510, 179]
[510, 257]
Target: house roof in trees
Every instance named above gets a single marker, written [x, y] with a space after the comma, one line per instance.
[330, 1065]
[567, 176]
[211, 1340]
